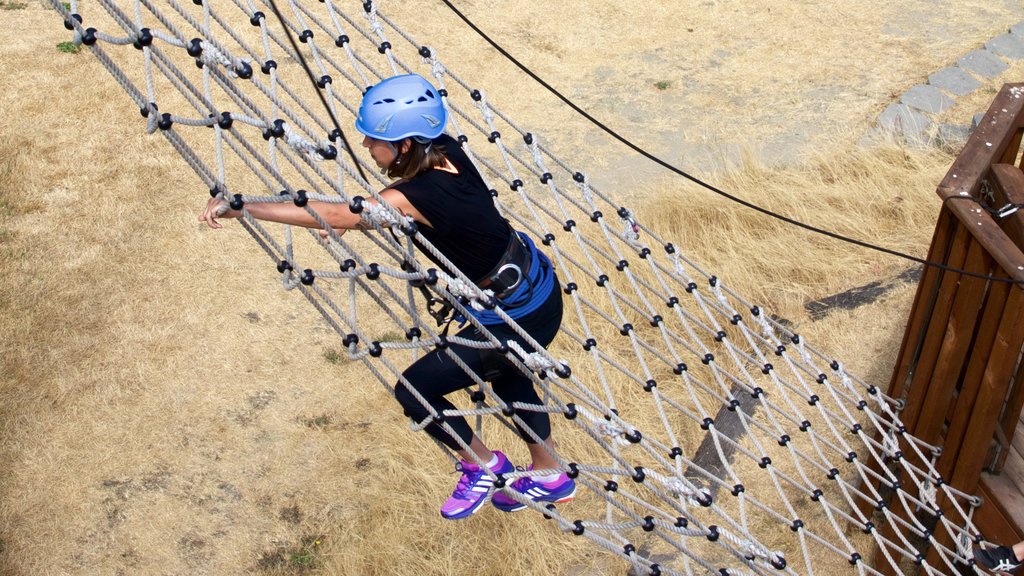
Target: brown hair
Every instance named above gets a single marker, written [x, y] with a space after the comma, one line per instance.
[421, 155]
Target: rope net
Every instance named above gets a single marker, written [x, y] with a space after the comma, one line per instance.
[801, 466]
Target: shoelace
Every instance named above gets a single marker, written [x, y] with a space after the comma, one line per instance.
[526, 482]
[465, 481]
[518, 483]
[1005, 564]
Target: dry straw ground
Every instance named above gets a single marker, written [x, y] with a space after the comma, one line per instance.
[165, 408]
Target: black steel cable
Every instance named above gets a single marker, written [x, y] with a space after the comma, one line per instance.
[702, 183]
[319, 93]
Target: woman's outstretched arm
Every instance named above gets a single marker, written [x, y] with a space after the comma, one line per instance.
[337, 216]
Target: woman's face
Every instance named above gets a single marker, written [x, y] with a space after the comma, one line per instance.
[382, 151]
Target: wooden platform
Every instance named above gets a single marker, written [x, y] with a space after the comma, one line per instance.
[959, 369]
[1001, 519]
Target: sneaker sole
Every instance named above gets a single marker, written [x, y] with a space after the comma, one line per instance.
[521, 506]
[465, 513]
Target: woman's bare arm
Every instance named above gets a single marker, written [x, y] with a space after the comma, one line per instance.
[337, 216]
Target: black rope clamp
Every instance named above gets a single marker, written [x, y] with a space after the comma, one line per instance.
[440, 309]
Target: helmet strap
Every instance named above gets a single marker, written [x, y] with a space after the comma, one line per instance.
[424, 140]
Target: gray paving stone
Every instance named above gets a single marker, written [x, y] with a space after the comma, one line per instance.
[952, 136]
[926, 99]
[1007, 45]
[983, 63]
[903, 120]
[955, 81]
[1017, 29]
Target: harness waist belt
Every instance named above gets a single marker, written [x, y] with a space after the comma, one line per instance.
[511, 270]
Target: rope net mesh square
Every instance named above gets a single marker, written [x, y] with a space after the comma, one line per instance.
[813, 462]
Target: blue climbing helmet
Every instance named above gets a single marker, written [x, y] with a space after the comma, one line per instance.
[400, 107]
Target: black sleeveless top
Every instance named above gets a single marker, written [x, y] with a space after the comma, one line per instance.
[465, 224]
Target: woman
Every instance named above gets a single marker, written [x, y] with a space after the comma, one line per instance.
[403, 120]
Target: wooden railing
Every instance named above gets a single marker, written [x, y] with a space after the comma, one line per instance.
[959, 368]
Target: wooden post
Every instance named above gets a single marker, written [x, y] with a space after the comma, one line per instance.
[963, 341]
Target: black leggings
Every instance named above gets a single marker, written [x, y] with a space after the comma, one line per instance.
[436, 374]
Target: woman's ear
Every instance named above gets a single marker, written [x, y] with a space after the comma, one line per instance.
[406, 144]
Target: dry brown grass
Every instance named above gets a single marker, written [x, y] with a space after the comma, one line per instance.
[165, 408]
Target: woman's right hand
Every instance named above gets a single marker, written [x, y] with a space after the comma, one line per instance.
[217, 208]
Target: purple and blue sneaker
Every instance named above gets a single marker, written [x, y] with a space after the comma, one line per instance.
[473, 487]
[562, 489]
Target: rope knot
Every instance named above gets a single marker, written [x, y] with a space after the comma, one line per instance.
[927, 490]
[212, 56]
[437, 69]
[537, 362]
[469, 291]
[610, 430]
[380, 215]
[766, 329]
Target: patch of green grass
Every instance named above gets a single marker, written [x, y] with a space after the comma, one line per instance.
[391, 337]
[12, 5]
[67, 48]
[307, 554]
[301, 559]
[662, 84]
[317, 421]
[66, 5]
[333, 356]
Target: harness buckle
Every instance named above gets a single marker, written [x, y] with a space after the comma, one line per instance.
[511, 270]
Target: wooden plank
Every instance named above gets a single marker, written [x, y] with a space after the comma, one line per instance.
[1008, 188]
[932, 343]
[1010, 419]
[991, 395]
[1006, 489]
[924, 302]
[985, 230]
[993, 521]
[727, 422]
[1012, 150]
[1017, 443]
[959, 335]
[991, 320]
[988, 144]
